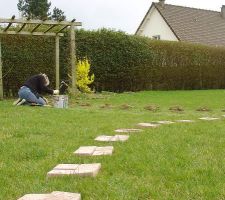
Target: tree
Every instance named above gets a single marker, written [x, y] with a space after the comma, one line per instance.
[58, 15]
[34, 9]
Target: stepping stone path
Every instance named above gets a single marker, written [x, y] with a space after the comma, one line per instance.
[165, 122]
[105, 138]
[148, 125]
[53, 196]
[75, 170]
[94, 151]
[208, 118]
[185, 121]
[131, 130]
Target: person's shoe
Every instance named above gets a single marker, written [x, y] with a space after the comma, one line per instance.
[17, 101]
[23, 101]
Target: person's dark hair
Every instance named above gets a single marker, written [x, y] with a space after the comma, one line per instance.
[47, 82]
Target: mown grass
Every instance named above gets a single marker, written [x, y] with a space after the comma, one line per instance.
[178, 161]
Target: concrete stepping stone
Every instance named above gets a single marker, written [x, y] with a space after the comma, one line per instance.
[94, 151]
[66, 195]
[38, 197]
[75, 170]
[131, 130]
[115, 138]
[185, 121]
[165, 122]
[209, 118]
[53, 196]
[148, 125]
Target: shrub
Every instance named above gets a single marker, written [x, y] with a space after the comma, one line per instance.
[120, 62]
[83, 78]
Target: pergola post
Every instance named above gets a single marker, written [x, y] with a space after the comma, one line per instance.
[73, 57]
[57, 61]
[1, 77]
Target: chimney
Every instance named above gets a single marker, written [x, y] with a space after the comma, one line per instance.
[162, 3]
[223, 11]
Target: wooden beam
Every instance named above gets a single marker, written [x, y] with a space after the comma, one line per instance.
[30, 33]
[35, 28]
[50, 28]
[10, 23]
[57, 61]
[21, 28]
[1, 77]
[47, 22]
[62, 29]
[73, 57]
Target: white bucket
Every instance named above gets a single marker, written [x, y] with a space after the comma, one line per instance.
[60, 101]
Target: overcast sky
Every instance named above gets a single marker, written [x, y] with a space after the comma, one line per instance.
[123, 15]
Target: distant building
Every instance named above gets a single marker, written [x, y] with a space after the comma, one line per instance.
[178, 23]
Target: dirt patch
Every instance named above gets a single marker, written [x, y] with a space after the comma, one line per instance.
[153, 108]
[126, 107]
[203, 109]
[106, 106]
[176, 109]
[85, 104]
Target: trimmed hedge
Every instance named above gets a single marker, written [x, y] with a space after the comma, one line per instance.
[119, 61]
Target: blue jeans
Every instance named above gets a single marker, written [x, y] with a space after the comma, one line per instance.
[29, 96]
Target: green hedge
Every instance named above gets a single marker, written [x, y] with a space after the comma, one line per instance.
[119, 61]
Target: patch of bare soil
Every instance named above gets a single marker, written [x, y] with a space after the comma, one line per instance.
[176, 109]
[203, 109]
[153, 108]
[126, 107]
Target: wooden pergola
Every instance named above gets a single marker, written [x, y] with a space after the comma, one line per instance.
[54, 29]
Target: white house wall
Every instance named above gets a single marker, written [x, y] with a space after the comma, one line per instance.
[154, 24]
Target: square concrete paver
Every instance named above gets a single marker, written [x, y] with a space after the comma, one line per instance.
[148, 125]
[85, 151]
[38, 197]
[120, 138]
[209, 118]
[94, 151]
[66, 167]
[185, 121]
[66, 195]
[78, 170]
[165, 122]
[53, 196]
[88, 169]
[129, 130]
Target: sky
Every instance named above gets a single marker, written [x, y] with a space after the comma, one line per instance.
[125, 15]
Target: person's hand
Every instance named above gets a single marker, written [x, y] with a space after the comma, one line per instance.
[55, 92]
[46, 100]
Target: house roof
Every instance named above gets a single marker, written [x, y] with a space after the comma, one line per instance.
[193, 25]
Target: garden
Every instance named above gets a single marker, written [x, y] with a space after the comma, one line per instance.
[173, 88]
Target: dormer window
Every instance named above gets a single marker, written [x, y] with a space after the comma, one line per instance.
[156, 37]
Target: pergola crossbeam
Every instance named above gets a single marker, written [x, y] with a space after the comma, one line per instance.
[22, 27]
[30, 33]
[50, 28]
[36, 27]
[62, 29]
[47, 22]
[10, 24]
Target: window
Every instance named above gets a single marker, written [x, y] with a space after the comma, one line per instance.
[156, 37]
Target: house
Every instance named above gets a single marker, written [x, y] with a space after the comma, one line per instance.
[177, 23]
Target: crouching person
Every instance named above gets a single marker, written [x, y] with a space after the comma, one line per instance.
[32, 90]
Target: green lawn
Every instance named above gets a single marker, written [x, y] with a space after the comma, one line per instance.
[178, 161]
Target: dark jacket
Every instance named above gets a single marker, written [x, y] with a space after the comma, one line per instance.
[37, 85]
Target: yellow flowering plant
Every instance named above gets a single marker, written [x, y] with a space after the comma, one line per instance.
[83, 77]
